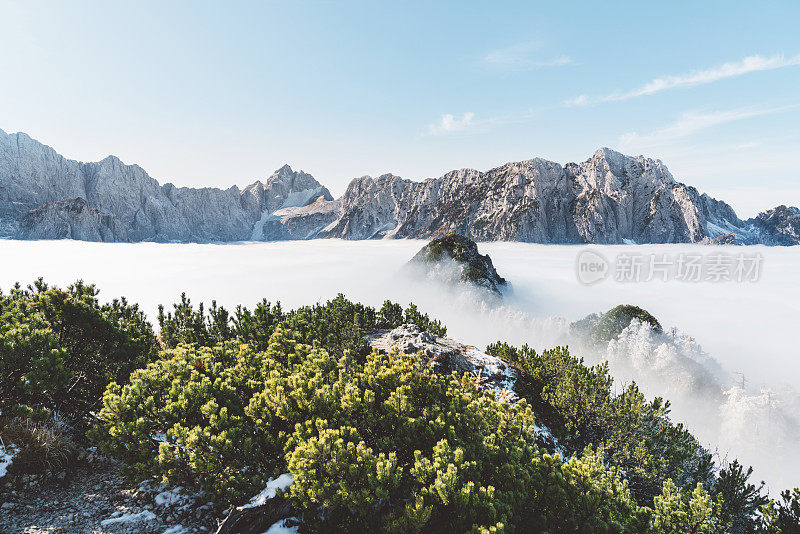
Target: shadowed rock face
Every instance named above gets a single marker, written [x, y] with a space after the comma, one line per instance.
[455, 259]
[778, 226]
[71, 219]
[609, 198]
[725, 239]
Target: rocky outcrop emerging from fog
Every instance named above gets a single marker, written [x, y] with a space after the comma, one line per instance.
[609, 198]
[455, 259]
[603, 327]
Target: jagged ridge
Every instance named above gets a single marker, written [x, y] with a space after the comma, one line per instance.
[609, 198]
[33, 175]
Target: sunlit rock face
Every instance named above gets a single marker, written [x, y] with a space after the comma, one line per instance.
[609, 198]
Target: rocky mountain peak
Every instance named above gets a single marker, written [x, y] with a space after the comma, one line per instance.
[610, 155]
[111, 160]
[609, 198]
[636, 171]
[281, 174]
[455, 258]
[295, 181]
[284, 173]
[122, 202]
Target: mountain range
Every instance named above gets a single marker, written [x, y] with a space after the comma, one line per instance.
[609, 198]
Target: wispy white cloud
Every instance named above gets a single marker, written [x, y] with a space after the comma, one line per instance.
[448, 123]
[693, 122]
[732, 69]
[581, 100]
[523, 56]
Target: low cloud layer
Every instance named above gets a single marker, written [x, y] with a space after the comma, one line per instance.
[724, 331]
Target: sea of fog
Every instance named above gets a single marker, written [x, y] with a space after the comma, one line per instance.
[728, 359]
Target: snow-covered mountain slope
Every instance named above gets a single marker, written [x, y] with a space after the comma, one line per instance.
[609, 198]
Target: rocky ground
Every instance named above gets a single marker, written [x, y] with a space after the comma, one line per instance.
[95, 498]
[449, 356]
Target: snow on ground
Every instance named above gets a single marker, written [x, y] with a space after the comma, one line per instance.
[141, 517]
[502, 376]
[176, 498]
[281, 528]
[282, 483]
[7, 454]
[300, 198]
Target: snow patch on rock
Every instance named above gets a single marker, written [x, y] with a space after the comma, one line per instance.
[282, 483]
[450, 356]
[281, 528]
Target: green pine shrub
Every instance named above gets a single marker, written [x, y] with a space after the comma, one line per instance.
[741, 501]
[379, 444]
[182, 418]
[676, 511]
[576, 403]
[614, 321]
[339, 325]
[376, 442]
[782, 516]
[59, 349]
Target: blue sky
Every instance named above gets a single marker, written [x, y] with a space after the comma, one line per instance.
[202, 93]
